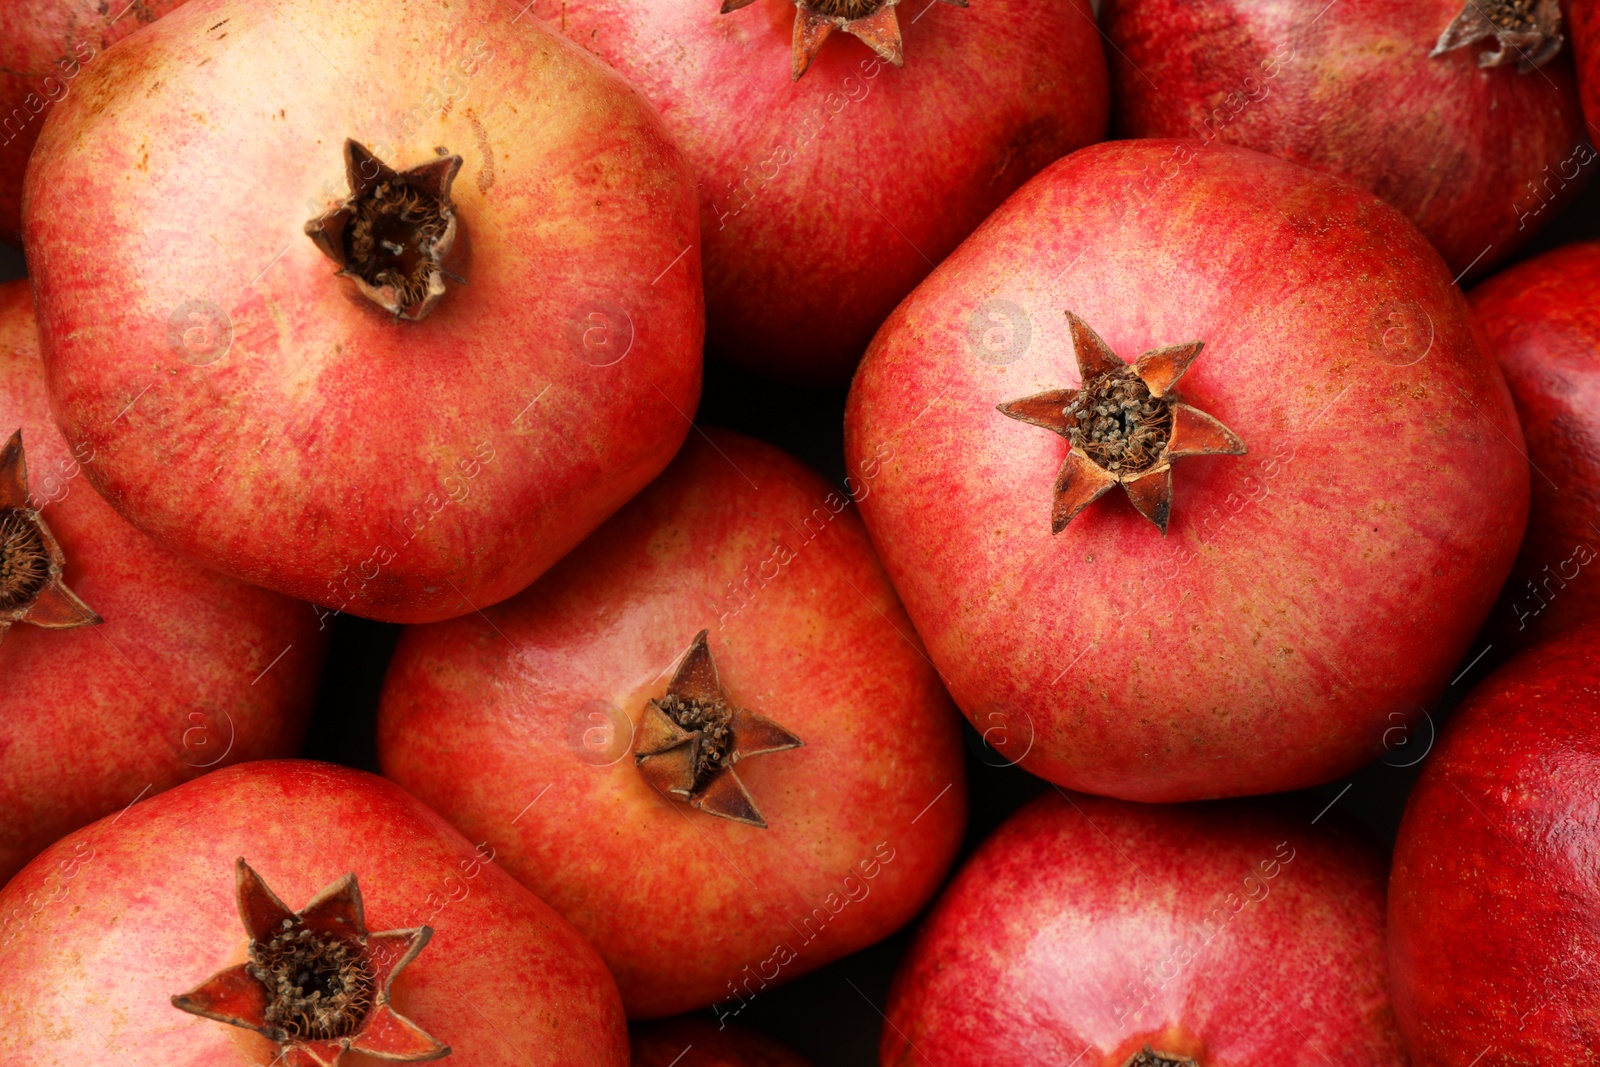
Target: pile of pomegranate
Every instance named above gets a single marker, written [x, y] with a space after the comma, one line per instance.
[760, 533]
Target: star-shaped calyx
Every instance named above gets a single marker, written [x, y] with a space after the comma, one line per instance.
[691, 738]
[317, 982]
[1526, 32]
[31, 589]
[393, 232]
[873, 21]
[1125, 425]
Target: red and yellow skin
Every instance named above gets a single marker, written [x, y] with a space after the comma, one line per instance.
[174, 682]
[403, 471]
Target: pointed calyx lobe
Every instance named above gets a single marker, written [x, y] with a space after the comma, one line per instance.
[1149, 1057]
[317, 981]
[1525, 32]
[873, 21]
[1125, 424]
[31, 563]
[393, 232]
[691, 738]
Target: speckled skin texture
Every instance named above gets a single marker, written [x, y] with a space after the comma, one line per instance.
[400, 471]
[1494, 907]
[173, 683]
[1308, 595]
[825, 201]
[44, 46]
[1085, 929]
[691, 1042]
[1349, 89]
[516, 726]
[1543, 327]
[105, 926]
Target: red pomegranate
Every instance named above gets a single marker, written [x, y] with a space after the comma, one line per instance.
[187, 671]
[691, 1042]
[1584, 27]
[1464, 115]
[44, 46]
[709, 738]
[1547, 337]
[296, 914]
[1253, 622]
[268, 343]
[1106, 934]
[1494, 896]
[825, 198]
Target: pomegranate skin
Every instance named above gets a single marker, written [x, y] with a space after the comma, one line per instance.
[404, 471]
[692, 1042]
[1495, 893]
[1054, 944]
[44, 46]
[1478, 158]
[112, 921]
[174, 682]
[518, 724]
[1308, 595]
[1583, 30]
[824, 201]
[1542, 328]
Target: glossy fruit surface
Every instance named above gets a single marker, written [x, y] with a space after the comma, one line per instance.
[1544, 329]
[1583, 24]
[253, 411]
[106, 926]
[525, 724]
[1479, 158]
[1307, 596]
[189, 670]
[693, 1042]
[823, 201]
[1496, 888]
[44, 46]
[1085, 930]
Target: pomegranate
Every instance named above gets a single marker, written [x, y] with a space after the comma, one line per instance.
[334, 334]
[1324, 468]
[1108, 934]
[1584, 27]
[825, 198]
[44, 46]
[1494, 894]
[186, 670]
[709, 738]
[1540, 325]
[690, 1042]
[291, 913]
[1461, 113]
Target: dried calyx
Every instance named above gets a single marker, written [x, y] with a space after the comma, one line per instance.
[392, 234]
[317, 981]
[691, 739]
[872, 21]
[31, 563]
[1149, 1057]
[1525, 32]
[1125, 424]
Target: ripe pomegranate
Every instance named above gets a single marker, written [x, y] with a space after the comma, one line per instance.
[1547, 336]
[1109, 934]
[186, 671]
[1464, 115]
[825, 199]
[1254, 622]
[1494, 894]
[709, 738]
[292, 384]
[228, 897]
[691, 1042]
[44, 46]
[1584, 27]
